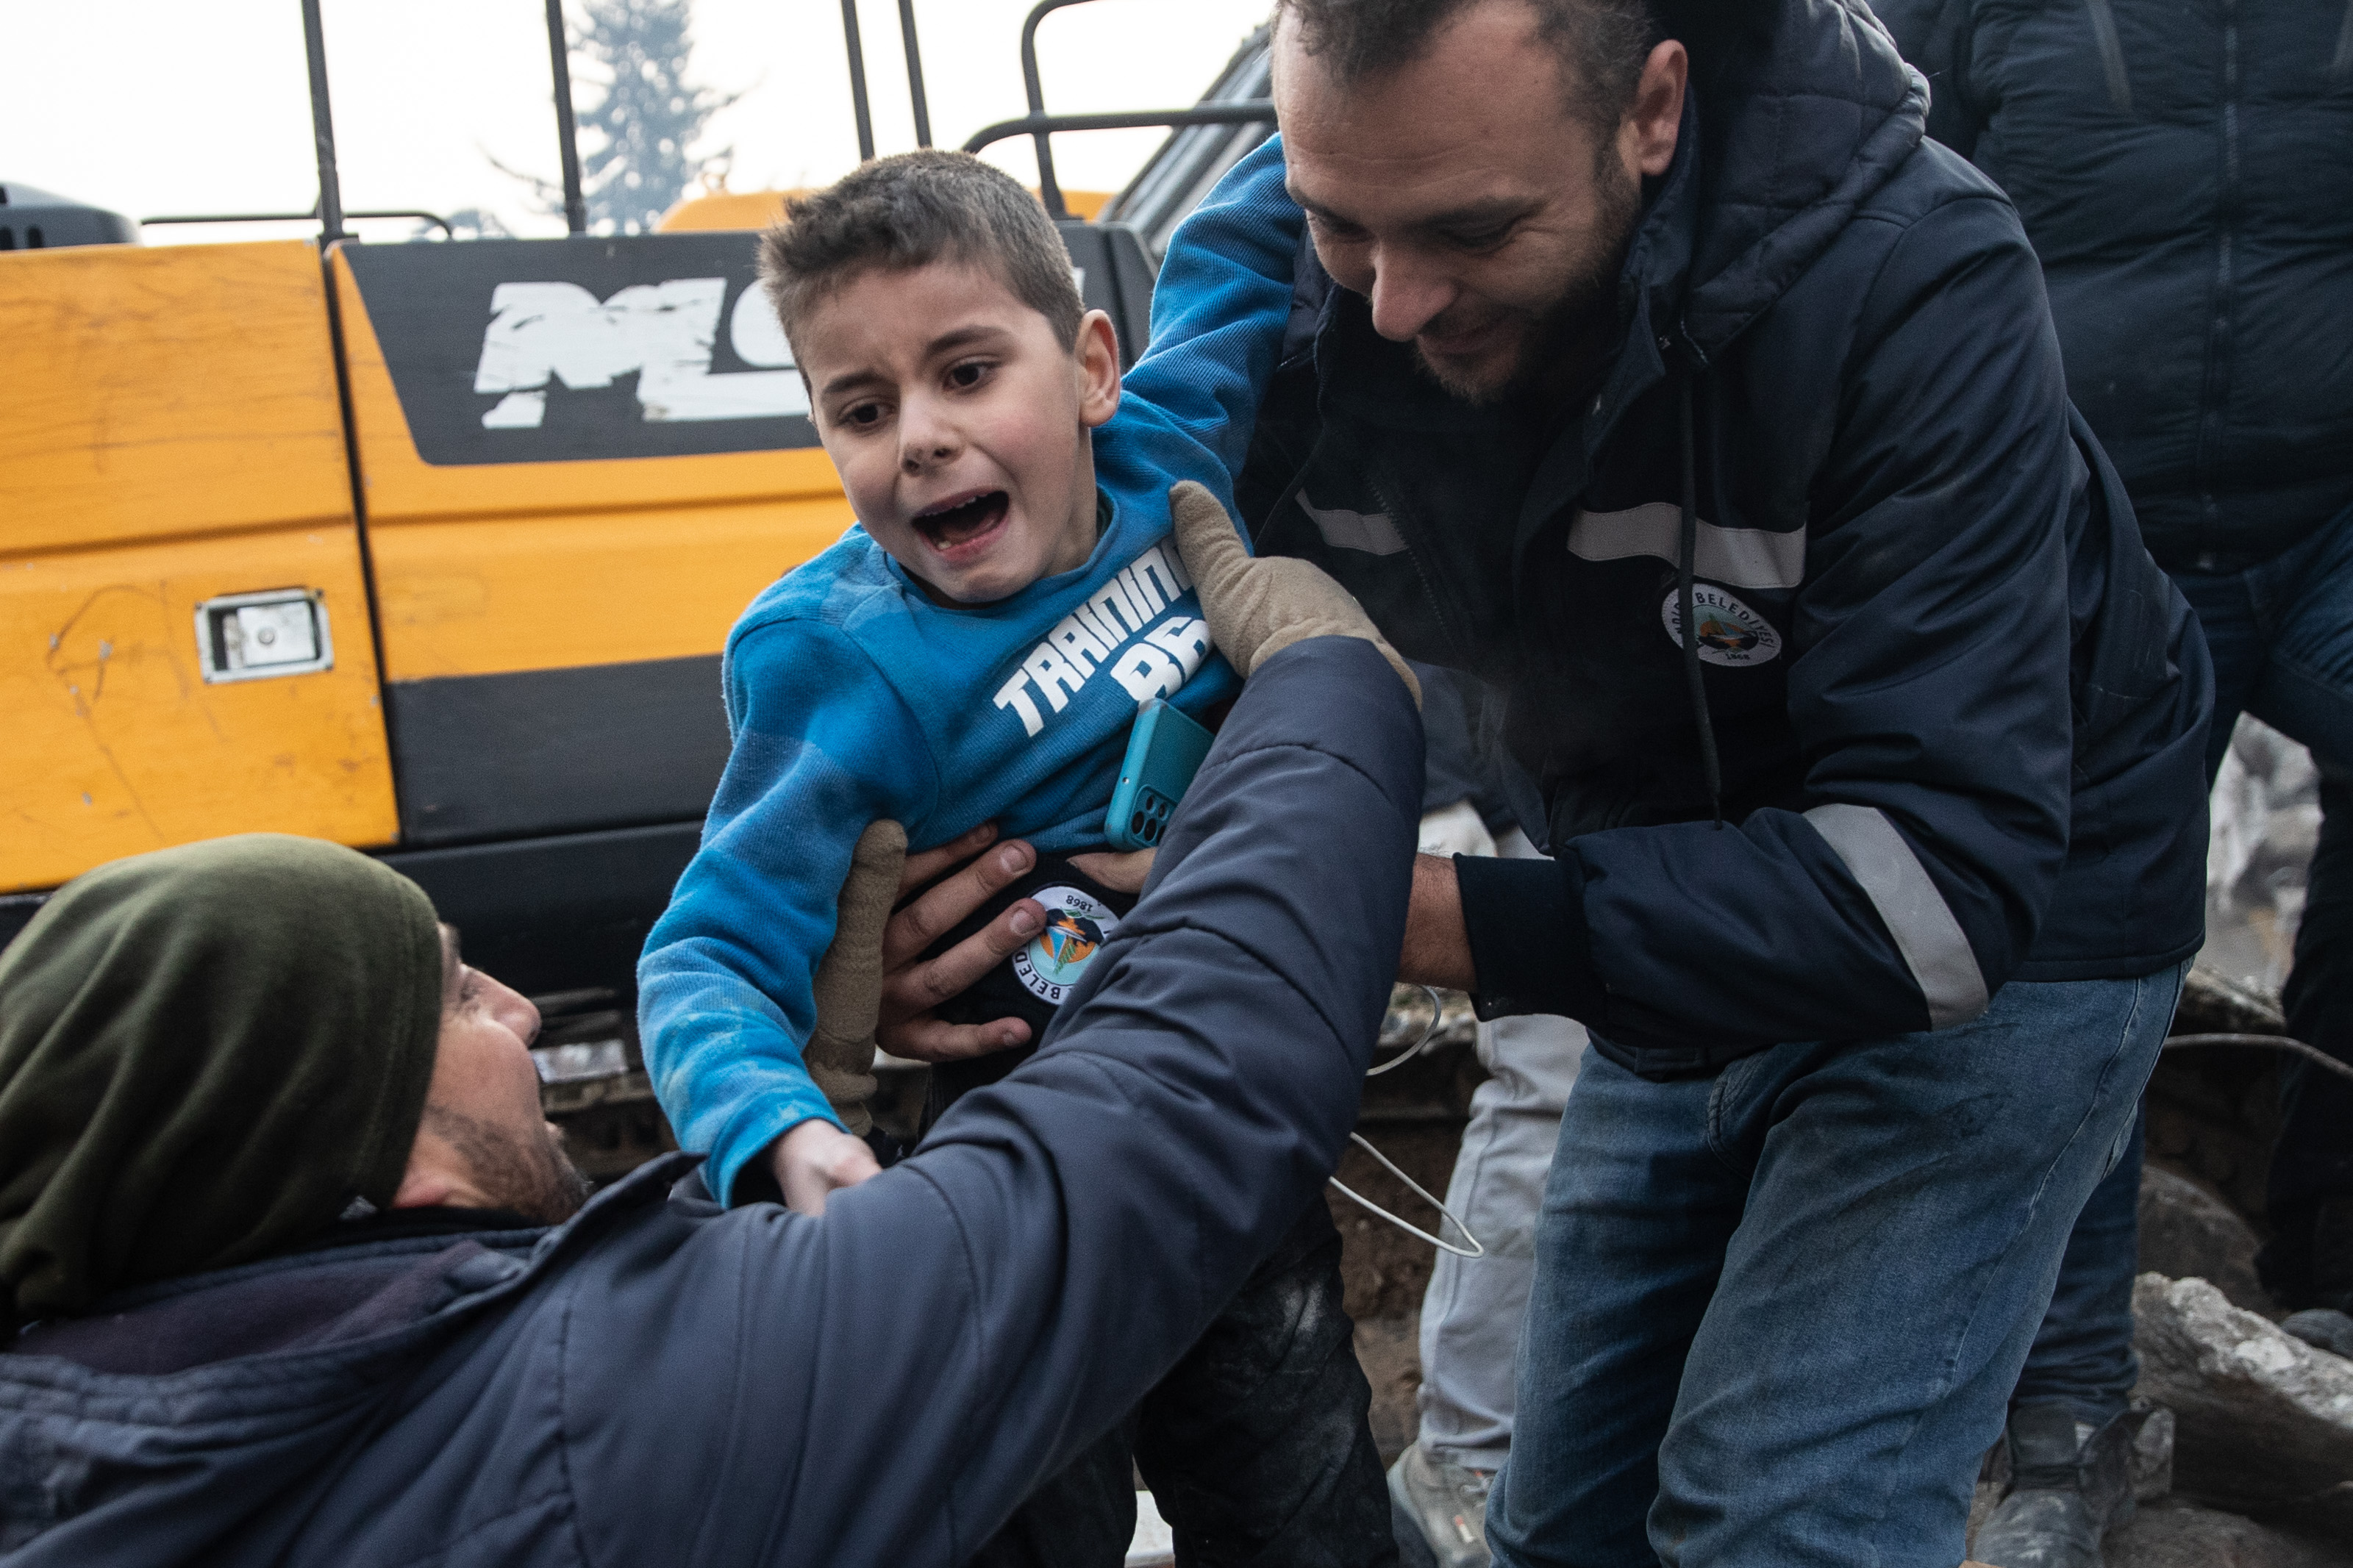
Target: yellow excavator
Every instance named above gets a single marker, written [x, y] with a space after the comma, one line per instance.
[426, 548]
[430, 547]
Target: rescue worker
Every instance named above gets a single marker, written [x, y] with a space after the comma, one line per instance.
[1651, 365]
[287, 1270]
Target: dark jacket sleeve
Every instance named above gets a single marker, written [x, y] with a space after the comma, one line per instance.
[1929, 688]
[885, 1385]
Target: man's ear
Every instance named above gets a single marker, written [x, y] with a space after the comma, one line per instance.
[1097, 353]
[1654, 122]
[437, 1175]
[424, 1187]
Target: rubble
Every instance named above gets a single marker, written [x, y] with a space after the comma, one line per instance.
[2174, 1533]
[2265, 1422]
[2188, 1232]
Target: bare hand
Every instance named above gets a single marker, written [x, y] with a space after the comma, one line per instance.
[912, 986]
[1122, 872]
[816, 1159]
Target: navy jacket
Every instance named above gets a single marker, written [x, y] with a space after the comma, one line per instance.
[1957, 713]
[2185, 170]
[662, 1382]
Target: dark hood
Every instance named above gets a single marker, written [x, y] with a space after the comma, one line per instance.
[1802, 109]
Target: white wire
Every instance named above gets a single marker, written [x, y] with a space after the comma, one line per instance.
[1436, 1014]
[1476, 1250]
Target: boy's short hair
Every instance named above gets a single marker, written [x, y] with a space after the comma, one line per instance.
[910, 210]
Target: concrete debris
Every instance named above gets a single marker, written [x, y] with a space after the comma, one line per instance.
[2264, 823]
[1408, 1022]
[2188, 1232]
[2265, 1422]
[2213, 1003]
[2177, 1534]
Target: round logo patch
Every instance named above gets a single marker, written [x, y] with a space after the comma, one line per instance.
[1730, 633]
[1076, 925]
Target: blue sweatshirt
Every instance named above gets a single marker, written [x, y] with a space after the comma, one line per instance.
[852, 696]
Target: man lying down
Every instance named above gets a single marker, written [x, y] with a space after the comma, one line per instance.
[295, 1277]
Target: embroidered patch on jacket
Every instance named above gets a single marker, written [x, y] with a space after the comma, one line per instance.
[1730, 633]
[1076, 925]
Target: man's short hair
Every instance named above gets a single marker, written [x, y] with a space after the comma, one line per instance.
[910, 210]
[1602, 44]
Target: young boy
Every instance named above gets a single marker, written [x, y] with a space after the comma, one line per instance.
[975, 650]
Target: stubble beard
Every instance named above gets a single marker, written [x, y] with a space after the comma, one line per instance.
[532, 1177]
[1580, 313]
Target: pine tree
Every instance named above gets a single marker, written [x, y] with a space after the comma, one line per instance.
[649, 117]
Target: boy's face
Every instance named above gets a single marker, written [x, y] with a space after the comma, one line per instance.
[959, 424]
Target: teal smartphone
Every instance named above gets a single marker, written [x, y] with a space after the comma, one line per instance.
[1163, 752]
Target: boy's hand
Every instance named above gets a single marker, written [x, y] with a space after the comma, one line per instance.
[1257, 606]
[912, 986]
[849, 986]
[816, 1159]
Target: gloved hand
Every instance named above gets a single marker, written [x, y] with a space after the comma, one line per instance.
[849, 986]
[1257, 606]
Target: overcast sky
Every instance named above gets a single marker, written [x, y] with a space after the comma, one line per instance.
[148, 107]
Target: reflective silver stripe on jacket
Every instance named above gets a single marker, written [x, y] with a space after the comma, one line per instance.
[1918, 916]
[1374, 532]
[1735, 557]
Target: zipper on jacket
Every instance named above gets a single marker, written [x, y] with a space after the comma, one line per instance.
[2219, 334]
[1687, 568]
[1408, 529]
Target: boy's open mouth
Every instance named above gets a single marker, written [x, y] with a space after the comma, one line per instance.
[962, 521]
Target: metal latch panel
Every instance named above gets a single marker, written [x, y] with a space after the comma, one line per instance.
[252, 637]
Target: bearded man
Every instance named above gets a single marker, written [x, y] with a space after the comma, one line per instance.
[292, 1274]
[1651, 366]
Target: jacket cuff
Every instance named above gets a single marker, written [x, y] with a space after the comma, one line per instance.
[1529, 947]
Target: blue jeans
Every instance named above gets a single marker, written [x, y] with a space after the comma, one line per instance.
[2281, 636]
[1777, 1313]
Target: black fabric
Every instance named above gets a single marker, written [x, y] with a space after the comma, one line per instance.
[2314, 1156]
[1525, 922]
[1257, 1445]
[2308, 1261]
[404, 1225]
[1977, 645]
[2188, 189]
[877, 1388]
[1002, 993]
[1458, 768]
[344, 1296]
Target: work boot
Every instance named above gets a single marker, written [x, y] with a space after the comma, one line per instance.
[2070, 1482]
[1439, 1507]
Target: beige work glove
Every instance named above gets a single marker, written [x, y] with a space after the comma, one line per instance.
[1259, 605]
[849, 989]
